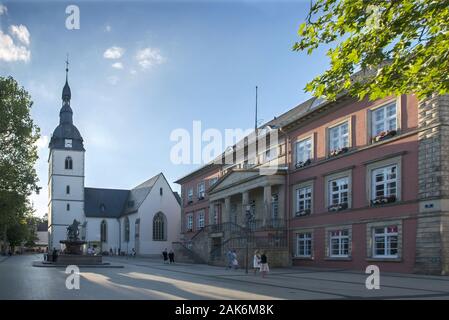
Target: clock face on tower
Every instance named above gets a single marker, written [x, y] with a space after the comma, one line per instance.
[68, 143]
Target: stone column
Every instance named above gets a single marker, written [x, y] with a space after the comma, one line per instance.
[245, 201]
[432, 238]
[227, 210]
[267, 205]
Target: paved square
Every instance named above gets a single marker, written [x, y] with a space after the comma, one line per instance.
[151, 279]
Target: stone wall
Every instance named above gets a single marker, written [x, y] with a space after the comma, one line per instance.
[432, 246]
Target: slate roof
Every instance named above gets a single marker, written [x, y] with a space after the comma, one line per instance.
[114, 203]
[113, 200]
[138, 194]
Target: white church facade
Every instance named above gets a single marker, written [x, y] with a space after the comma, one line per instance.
[146, 218]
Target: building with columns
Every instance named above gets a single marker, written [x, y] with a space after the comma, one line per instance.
[357, 183]
[145, 218]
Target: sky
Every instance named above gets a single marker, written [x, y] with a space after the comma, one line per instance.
[141, 69]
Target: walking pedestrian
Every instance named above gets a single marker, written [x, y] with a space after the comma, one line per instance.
[264, 269]
[256, 261]
[171, 256]
[235, 262]
[165, 255]
[230, 257]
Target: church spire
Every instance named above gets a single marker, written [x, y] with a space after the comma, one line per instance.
[66, 114]
[66, 93]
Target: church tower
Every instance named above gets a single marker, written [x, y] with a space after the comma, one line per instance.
[65, 173]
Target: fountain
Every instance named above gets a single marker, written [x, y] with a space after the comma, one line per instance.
[73, 252]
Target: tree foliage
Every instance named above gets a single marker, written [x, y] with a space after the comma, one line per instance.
[402, 46]
[18, 153]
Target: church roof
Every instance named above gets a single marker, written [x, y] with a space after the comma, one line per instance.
[113, 203]
[138, 194]
[104, 203]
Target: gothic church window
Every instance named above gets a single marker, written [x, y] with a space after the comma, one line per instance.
[159, 227]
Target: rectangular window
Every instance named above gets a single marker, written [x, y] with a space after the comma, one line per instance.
[275, 206]
[200, 220]
[385, 242]
[384, 183]
[303, 151]
[190, 195]
[339, 137]
[383, 119]
[339, 243]
[338, 192]
[201, 190]
[303, 200]
[304, 244]
[189, 224]
[68, 207]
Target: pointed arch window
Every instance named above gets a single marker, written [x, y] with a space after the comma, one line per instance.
[103, 231]
[126, 229]
[159, 227]
[69, 163]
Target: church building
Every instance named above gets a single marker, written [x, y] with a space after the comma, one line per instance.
[146, 218]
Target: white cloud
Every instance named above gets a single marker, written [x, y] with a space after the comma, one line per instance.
[42, 142]
[133, 71]
[117, 65]
[21, 33]
[3, 9]
[108, 28]
[9, 51]
[114, 53]
[113, 80]
[149, 57]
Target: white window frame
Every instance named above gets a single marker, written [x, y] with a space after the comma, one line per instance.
[385, 121]
[190, 194]
[306, 154]
[303, 190]
[372, 166]
[201, 190]
[387, 241]
[340, 138]
[307, 239]
[339, 192]
[340, 237]
[201, 220]
[385, 171]
[189, 222]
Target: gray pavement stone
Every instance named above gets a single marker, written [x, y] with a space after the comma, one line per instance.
[143, 278]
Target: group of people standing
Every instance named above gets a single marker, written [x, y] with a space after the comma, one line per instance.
[169, 257]
[260, 262]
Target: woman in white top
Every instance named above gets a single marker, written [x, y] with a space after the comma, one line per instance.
[256, 261]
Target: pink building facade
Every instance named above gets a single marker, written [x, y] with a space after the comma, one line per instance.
[358, 183]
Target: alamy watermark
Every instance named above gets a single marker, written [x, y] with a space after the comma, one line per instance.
[373, 280]
[72, 22]
[230, 147]
[72, 281]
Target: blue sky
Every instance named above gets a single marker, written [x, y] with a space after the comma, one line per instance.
[175, 62]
